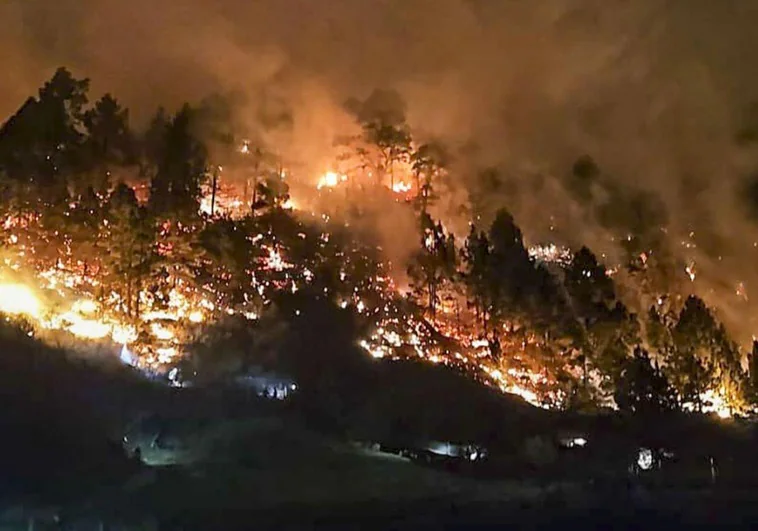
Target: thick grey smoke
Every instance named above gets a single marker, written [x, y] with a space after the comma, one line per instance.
[655, 91]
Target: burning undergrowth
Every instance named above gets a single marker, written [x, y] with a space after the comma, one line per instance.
[284, 252]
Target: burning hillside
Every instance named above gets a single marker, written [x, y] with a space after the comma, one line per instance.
[152, 328]
[201, 232]
[58, 290]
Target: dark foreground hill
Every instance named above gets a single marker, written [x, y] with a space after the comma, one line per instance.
[261, 466]
[271, 473]
[56, 446]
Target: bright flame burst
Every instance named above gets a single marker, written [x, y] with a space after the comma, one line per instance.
[61, 301]
[330, 179]
[714, 402]
[333, 179]
[401, 187]
[17, 299]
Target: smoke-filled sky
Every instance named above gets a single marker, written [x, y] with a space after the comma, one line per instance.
[656, 91]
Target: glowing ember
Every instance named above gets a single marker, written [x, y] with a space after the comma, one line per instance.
[690, 270]
[275, 261]
[551, 253]
[741, 291]
[375, 352]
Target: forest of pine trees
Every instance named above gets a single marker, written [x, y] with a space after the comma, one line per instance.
[70, 169]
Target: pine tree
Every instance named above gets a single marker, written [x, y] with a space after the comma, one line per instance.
[85, 225]
[428, 162]
[642, 387]
[476, 257]
[228, 253]
[152, 143]
[41, 143]
[509, 272]
[109, 143]
[604, 330]
[385, 132]
[182, 164]
[129, 238]
[693, 369]
[272, 193]
[433, 264]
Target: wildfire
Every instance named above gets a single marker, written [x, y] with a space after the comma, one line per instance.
[551, 253]
[713, 401]
[61, 301]
[690, 270]
[17, 299]
[397, 338]
[330, 179]
[84, 328]
[225, 202]
[508, 386]
[401, 187]
[161, 332]
[276, 262]
[154, 338]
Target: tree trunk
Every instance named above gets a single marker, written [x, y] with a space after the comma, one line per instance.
[425, 192]
[432, 298]
[255, 197]
[213, 192]
[255, 183]
[585, 372]
[129, 296]
[136, 301]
